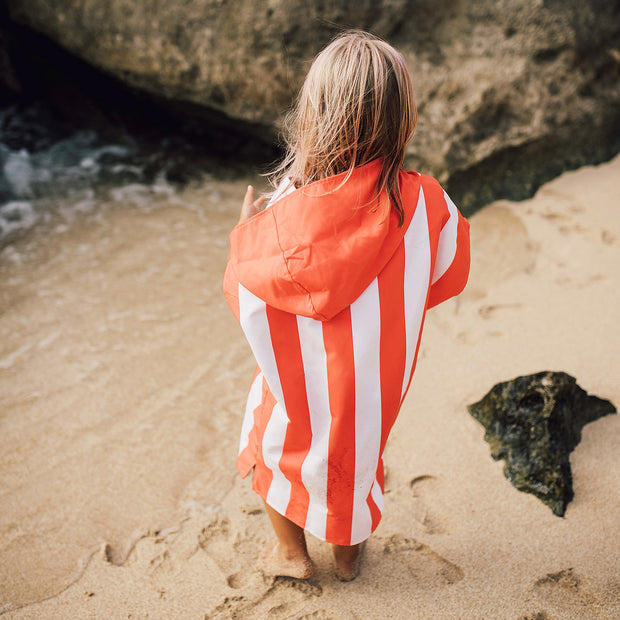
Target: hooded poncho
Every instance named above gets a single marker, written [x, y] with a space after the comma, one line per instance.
[331, 294]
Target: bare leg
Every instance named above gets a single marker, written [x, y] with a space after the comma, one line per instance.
[347, 561]
[290, 556]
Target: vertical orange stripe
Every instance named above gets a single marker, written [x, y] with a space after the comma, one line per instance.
[431, 210]
[393, 339]
[375, 513]
[415, 357]
[381, 475]
[453, 281]
[437, 215]
[287, 351]
[230, 285]
[262, 474]
[392, 353]
[338, 341]
[247, 457]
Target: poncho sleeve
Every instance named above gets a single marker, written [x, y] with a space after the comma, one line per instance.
[452, 263]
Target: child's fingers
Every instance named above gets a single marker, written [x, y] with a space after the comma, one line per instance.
[250, 206]
[246, 207]
[248, 199]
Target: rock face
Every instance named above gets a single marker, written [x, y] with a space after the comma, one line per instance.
[534, 422]
[510, 92]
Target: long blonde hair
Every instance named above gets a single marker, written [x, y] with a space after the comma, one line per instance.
[356, 105]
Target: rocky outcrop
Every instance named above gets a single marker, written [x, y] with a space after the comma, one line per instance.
[534, 422]
[510, 92]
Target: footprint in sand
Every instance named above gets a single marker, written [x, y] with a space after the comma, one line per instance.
[427, 567]
[608, 238]
[429, 518]
[287, 598]
[234, 554]
[319, 614]
[569, 229]
[117, 554]
[566, 590]
[490, 311]
[228, 608]
[580, 283]
[284, 598]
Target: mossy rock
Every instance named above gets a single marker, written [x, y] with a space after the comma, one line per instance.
[533, 423]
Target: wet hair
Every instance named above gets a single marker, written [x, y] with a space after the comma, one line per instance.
[356, 105]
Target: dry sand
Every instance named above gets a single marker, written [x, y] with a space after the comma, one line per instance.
[122, 383]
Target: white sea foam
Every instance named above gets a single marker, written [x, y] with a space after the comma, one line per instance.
[19, 173]
[69, 177]
[52, 180]
[15, 215]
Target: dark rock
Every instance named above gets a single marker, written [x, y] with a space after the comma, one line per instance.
[9, 82]
[61, 94]
[510, 92]
[534, 422]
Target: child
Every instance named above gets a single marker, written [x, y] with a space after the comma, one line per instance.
[331, 284]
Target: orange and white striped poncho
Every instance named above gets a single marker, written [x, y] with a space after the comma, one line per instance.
[331, 294]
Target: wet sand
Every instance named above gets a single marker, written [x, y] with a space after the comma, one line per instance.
[122, 384]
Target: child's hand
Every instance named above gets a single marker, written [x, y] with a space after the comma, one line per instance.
[250, 206]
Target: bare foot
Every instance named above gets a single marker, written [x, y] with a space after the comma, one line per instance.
[348, 561]
[277, 563]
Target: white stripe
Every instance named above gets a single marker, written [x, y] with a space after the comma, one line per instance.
[366, 330]
[253, 319]
[285, 188]
[273, 443]
[314, 468]
[446, 248]
[254, 400]
[416, 282]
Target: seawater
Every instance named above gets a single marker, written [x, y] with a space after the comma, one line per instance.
[51, 172]
[40, 177]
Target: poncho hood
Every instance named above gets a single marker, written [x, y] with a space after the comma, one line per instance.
[316, 249]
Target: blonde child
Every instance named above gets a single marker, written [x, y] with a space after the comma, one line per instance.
[331, 284]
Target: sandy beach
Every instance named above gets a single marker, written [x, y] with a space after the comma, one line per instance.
[123, 378]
